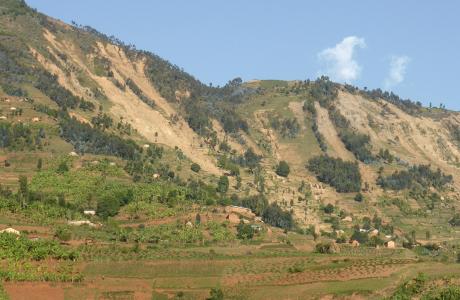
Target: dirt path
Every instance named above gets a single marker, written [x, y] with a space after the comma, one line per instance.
[327, 129]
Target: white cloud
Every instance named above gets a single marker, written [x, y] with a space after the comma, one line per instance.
[340, 64]
[398, 65]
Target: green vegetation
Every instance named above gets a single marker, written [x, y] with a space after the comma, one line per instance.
[287, 128]
[342, 175]
[276, 216]
[416, 176]
[195, 167]
[283, 169]
[20, 137]
[87, 139]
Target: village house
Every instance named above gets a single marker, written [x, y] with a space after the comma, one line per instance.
[89, 212]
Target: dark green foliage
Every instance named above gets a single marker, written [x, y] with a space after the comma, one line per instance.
[415, 176]
[108, 207]
[48, 84]
[102, 121]
[361, 237]
[227, 164]
[455, 221]
[195, 167]
[39, 164]
[62, 167]
[283, 169]
[250, 159]
[359, 197]
[342, 175]
[136, 90]
[197, 116]
[358, 144]
[257, 203]
[277, 217]
[46, 110]
[325, 248]
[244, 231]
[216, 294]
[324, 91]
[288, 128]
[407, 105]
[329, 208]
[222, 185]
[63, 234]
[410, 288]
[386, 156]
[19, 137]
[87, 139]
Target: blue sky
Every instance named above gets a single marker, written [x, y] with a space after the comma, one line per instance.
[410, 47]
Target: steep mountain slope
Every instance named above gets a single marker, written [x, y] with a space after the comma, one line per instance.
[94, 76]
[115, 163]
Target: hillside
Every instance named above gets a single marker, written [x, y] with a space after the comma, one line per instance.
[264, 183]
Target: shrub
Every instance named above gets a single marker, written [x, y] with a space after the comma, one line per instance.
[216, 294]
[329, 209]
[195, 167]
[63, 234]
[245, 231]
[222, 185]
[455, 221]
[108, 207]
[283, 169]
[359, 197]
[326, 248]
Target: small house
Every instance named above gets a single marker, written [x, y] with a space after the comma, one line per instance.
[35, 119]
[354, 243]
[374, 232]
[391, 244]
[2, 118]
[80, 223]
[89, 212]
[73, 154]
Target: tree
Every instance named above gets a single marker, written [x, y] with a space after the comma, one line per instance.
[275, 216]
[63, 167]
[455, 221]
[216, 294]
[329, 209]
[244, 231]
[23, 186]
[108, 207]
[359, 197]
[198, 219]
[238, 182]
[195, 167]
[222, 185]
[283, 169]
[39, 164]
